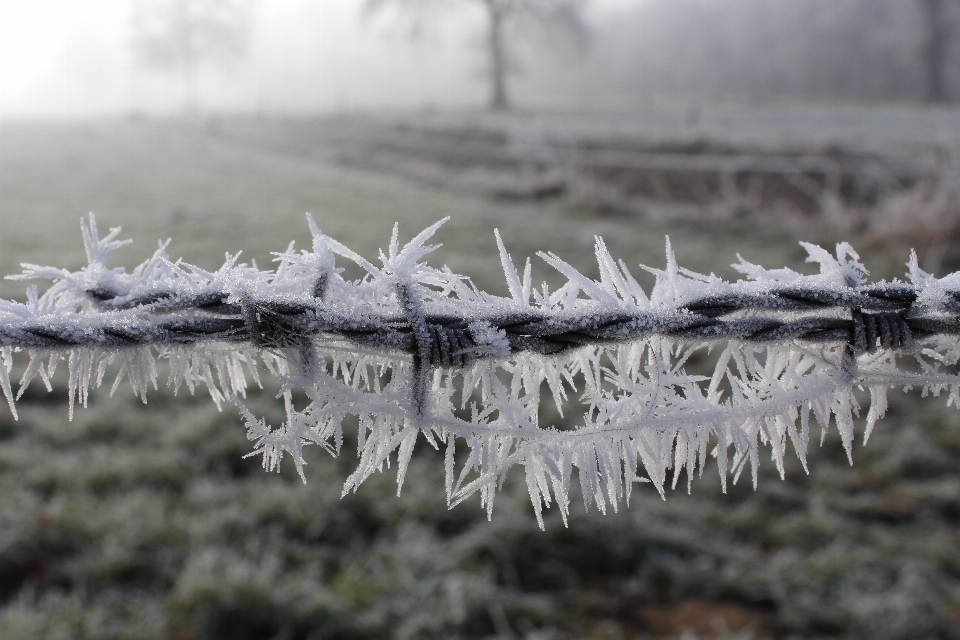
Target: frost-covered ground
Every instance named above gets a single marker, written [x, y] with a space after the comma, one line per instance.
[135, 523]
[211, 194]
[138, 521]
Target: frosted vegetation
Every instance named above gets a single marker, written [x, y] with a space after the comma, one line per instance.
[663, 380]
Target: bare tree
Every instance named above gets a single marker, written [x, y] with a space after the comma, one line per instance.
[178, 35]
[506, 20]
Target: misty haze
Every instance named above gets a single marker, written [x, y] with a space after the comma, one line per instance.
[731, 126]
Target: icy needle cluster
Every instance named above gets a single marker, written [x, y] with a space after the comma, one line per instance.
[648, 384]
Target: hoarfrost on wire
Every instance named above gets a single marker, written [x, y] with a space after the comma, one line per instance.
[414, 351]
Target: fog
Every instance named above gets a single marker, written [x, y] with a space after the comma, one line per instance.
[79, 58]
[76, 58]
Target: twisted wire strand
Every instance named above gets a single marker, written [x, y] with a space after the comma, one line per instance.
[881, 316]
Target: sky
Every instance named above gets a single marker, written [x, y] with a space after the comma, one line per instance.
[73, 58]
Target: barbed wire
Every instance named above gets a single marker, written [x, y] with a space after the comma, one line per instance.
[410, 350]
[880, 316]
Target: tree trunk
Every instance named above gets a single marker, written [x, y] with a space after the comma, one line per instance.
[191, 88]
[189, 60]
[498, 62]
[934, 50]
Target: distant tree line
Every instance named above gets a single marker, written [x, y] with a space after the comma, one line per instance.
[699, 50]
[856, 50]
[899, 50]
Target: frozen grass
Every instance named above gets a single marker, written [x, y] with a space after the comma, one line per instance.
[145, 522]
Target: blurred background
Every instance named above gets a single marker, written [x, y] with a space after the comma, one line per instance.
[733, 126]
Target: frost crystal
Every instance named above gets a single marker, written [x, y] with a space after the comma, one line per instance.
[696, 366]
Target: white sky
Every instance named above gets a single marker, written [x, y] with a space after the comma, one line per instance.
[72, 58]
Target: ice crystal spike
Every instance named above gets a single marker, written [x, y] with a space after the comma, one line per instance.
[411, 351]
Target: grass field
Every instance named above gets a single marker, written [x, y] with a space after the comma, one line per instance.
[146, 522]
[210, 197]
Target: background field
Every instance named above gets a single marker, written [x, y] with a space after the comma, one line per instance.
[146, 522]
